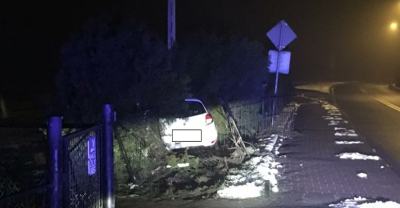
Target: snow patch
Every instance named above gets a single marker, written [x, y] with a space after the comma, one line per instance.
[333, 112]
[272, 141]
[362, 175]
[236, 178]
[249, 190]
[333, 123]
[268, 172]
[249, 182]
[356, 156]
[359, 202]
[348, 202]
[350, 134]
[380, 204]
[335, 118]
[329, 107]
[349, 142]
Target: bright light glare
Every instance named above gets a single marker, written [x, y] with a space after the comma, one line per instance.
[393, 26]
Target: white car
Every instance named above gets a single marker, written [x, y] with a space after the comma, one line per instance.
[195, 129]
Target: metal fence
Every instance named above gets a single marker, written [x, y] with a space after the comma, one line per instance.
[258, 117]
[82, 178]
[79, 171]
[22, 167]
[81, 168]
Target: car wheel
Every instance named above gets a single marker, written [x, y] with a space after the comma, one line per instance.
[216, 146]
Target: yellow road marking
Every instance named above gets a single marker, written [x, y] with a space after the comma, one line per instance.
[390, 105]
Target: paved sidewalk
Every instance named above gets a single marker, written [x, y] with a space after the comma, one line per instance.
[313, 174]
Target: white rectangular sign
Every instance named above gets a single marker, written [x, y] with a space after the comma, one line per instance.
[284, 61]
[186, 135]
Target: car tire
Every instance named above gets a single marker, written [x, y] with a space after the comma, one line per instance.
[216, 146]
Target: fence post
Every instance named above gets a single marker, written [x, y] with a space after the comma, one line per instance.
[65, 165]
[108, 159]
[263, 123]
[54, 167]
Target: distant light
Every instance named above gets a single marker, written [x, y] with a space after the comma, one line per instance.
[393, 26]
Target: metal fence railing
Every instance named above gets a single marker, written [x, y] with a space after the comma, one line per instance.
[81, 167]
[82, 178]
[258, 117]
[22, 167]
[77, 170]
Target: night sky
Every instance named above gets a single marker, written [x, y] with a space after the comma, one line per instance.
[337, 39]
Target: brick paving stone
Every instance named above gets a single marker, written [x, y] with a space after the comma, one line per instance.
[311, 174]
[311, 167]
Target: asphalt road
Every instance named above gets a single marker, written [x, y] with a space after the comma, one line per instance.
[374, 110]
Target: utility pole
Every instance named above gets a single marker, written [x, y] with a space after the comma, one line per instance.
[171, 24]
[3, 107]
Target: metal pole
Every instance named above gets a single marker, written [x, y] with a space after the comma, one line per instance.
[108, 159]
[273, 110]
[171, 38]
[54, 167]
[277, 74]
[263, 115]
[279, 54]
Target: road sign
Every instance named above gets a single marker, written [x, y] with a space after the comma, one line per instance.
[91, 155]
[281, 35]
[284, 61]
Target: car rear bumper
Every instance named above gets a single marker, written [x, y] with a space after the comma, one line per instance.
[209, 138]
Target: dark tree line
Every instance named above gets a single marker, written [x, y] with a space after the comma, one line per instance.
[119, 61]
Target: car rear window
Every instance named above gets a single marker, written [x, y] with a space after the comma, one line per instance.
[191, 108]
[194, 108]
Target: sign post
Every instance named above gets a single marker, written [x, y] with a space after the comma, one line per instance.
[281, 35]
[279, 54]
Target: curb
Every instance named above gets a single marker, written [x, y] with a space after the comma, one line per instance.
[394, 87]
[332, 95]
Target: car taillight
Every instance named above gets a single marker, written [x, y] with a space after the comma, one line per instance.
[209, 119]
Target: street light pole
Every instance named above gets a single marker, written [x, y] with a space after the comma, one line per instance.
[171, 38]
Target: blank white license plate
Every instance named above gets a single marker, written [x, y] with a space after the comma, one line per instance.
[186, 135]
